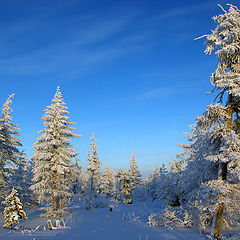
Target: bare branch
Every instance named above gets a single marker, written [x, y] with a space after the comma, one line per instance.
[220, 95]
[212, 90]
[222, 8]
[235, 7]
[206, 35]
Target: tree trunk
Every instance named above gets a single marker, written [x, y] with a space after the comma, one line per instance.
[222, 175]
[53, 198]
[218, 216]
[53, 202]
[218, 221]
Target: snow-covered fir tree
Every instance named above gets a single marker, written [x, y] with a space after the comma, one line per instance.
[9, 146]
[222, 122]
[134, 173]
[108, 183]
[124, 181]
[78, 181]
[153, 182]
[13, 210]
[54, 170]
[212, 156]
[93, 167]
[118, 194]
[21, 179]
[166, 187]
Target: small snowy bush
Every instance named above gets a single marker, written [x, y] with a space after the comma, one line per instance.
[50, 213]
[98, 202]
[171, 218]
[13, 210]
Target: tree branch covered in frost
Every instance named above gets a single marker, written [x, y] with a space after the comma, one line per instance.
[224, 42]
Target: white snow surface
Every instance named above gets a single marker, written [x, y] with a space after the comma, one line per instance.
[125, 222]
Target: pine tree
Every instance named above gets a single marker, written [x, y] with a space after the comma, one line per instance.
[13, 210]
[53, 169]
[108, 181]
[134, 173]
[94, 165]
[9, 146]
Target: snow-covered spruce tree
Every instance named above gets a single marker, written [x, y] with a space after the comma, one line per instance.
[93, 167]
[212, 157]
[54, 170]
[118, 193]
[134, 173]
[108, 181]
[21, 179]
[153, 183]
[162, 185]
[78, 181]
[167, 186]
[224, 41]
[9, 146]
[13, 210]
[126, 191]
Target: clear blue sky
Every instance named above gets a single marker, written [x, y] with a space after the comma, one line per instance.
[128, 70]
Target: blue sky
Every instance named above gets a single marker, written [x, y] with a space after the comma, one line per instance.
[128, 70]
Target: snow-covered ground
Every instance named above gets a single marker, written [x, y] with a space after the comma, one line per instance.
[125, 222]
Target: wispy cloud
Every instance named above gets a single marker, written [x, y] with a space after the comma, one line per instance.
[190, 9]
[162, 92]
[91, 43]
[158, 92]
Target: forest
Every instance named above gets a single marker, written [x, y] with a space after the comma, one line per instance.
[199, 190]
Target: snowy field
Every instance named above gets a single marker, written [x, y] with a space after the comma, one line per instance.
[125, 222]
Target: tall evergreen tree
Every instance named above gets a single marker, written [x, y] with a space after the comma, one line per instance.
[93, 167]
[134, 173]
[212, 157]
[53, 169]
[224, 41]
[124, 185]
[108, 181]
[9, 146]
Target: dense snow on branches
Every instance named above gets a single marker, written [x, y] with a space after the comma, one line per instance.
[9, 147]
[53, 169]
[13, 210]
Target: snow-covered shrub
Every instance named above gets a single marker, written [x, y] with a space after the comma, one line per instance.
[50, 213]
[100, 201]
[171, 218]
